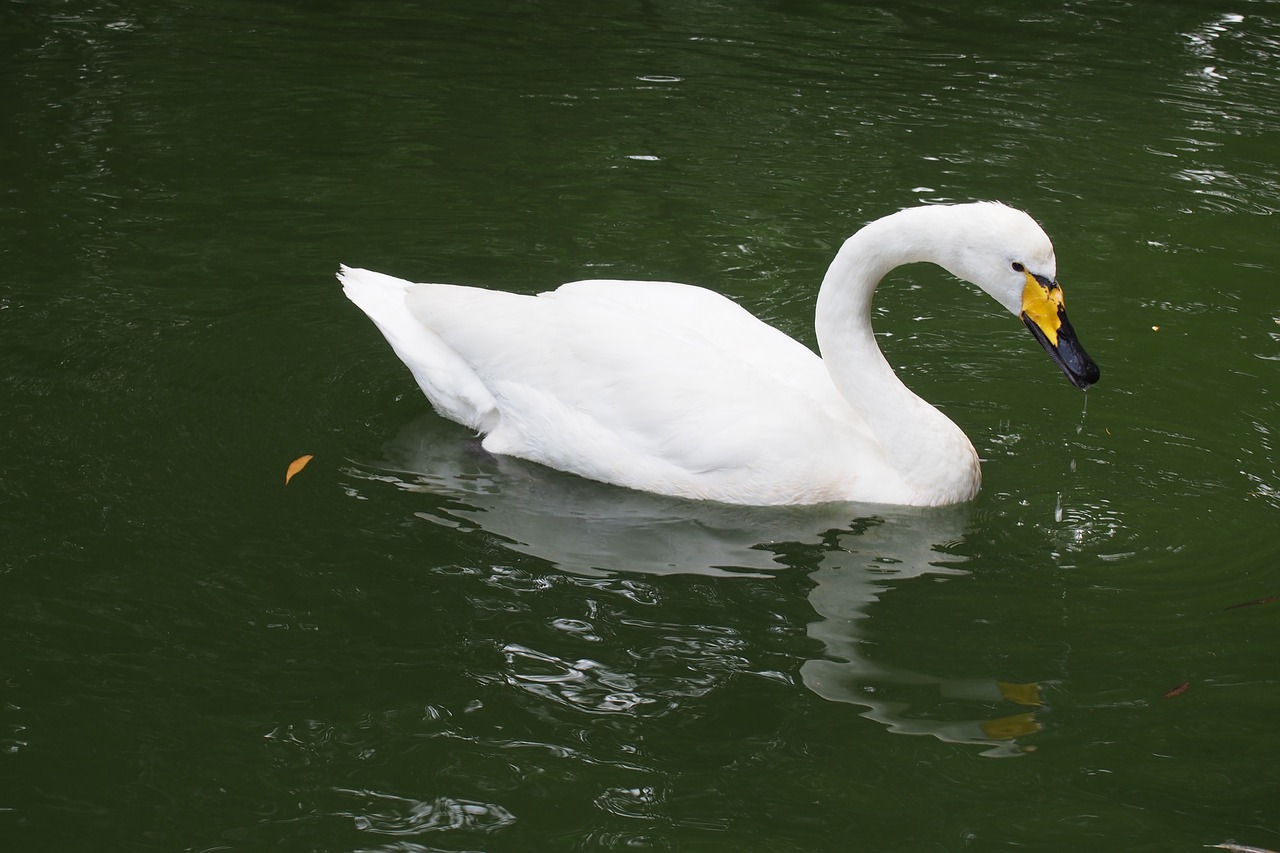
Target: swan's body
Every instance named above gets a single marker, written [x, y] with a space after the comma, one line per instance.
[675, 389]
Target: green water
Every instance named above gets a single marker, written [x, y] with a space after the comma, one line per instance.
[414, 647]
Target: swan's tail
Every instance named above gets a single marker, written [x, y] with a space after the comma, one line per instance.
[380, 296]
[449, 383]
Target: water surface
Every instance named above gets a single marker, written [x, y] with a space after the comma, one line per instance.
[418, 647]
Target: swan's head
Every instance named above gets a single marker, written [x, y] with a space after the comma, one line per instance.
[1007, 254]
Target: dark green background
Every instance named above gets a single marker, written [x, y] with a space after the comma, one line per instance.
[415, 648]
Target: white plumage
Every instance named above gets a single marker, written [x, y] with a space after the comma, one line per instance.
[674, 389]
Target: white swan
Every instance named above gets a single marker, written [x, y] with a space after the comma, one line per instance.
[674, 389]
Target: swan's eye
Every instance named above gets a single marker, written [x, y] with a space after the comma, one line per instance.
[1017, 267]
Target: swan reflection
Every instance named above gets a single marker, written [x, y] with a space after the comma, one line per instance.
[851, 552]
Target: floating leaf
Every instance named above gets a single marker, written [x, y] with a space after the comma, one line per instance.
[1178, 691]
[295, 466]
[1267, 600]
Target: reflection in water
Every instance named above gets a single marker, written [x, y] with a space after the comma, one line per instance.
[587, 528]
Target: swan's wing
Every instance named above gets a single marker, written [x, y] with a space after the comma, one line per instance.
[705, 318]
[646, 384]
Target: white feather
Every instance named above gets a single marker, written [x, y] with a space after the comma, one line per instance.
[675, 389]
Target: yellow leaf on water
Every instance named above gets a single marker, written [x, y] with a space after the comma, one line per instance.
[295, 466]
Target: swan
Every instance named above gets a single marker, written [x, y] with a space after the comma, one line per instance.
[675, 389]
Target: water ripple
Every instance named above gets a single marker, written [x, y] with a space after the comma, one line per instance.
[388, 814]
[583, 684]
[639, 802]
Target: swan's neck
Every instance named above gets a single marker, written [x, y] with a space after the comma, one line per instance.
[930, 452]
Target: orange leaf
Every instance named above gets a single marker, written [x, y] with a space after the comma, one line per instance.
[1178, 691]
[295, 466]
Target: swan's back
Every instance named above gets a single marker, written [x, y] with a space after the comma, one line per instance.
[653, 385]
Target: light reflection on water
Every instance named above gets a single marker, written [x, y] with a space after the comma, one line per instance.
[1224, 96]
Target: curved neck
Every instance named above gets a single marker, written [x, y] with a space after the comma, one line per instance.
[920, 442]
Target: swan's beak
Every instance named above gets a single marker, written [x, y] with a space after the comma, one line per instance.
[1046, 317]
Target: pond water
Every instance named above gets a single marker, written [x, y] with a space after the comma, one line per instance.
[414, 646]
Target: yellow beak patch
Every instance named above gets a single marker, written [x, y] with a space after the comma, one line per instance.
[1042, 304]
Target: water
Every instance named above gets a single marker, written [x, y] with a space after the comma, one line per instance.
[416, 647]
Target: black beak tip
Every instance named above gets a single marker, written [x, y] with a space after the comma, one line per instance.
[1067, 353]
[1089, 375]
[1085, 379]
